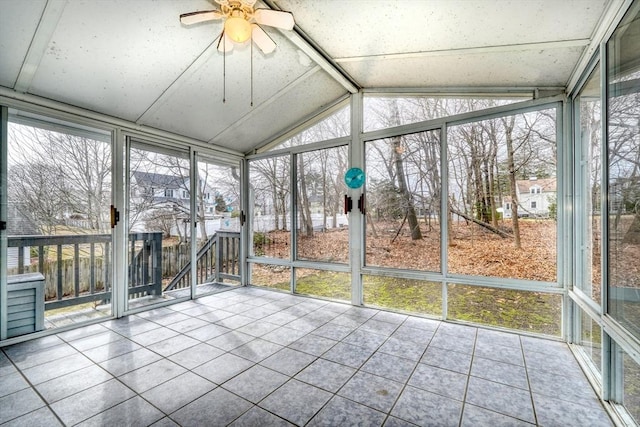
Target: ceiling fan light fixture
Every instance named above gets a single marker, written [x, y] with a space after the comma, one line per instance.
[238, 29]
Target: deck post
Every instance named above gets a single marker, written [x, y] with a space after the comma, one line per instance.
[156, 253]
[219, 252]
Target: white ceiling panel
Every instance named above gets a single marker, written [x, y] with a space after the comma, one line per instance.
[195, 106]
[511, 68]
[316, 92]
[118, 56]
[17, 27]
[347, 29]
[132, 59]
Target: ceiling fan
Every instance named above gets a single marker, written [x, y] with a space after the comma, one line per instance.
[242, 22]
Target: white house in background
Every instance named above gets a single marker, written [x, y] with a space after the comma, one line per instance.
[168, 194]
[158, 191]
[535, 197]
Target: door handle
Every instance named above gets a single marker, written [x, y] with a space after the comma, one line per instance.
[115, 216]
[348, 204]
[361, 204]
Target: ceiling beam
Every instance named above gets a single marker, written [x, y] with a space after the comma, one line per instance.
[471, 50]
[185, 76]
[452, 91]
[306, 44]
[46, 27]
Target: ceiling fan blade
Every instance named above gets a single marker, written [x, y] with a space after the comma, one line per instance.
[225, 44]
[202, 16]
[262, 39]
[274, 18]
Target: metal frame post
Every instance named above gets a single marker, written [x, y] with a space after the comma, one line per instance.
[357, 224]
[119, 234]
[4, 147]
[194, 183]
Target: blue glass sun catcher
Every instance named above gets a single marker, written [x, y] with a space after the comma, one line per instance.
[354, 178]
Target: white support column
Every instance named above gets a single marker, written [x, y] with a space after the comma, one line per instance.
[608, 368]
[195, 189]
[245, 229]
[4, 146]
[356, 219]
[579, 214]
[564, 213]
[119, 191]
[293, 226]
[444, 216]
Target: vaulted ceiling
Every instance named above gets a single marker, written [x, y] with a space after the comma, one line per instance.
[134, 60]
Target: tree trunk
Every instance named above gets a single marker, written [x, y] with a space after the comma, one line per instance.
[201, 212]
[449, 224]
[325, 208]
[512, 183]
[276, 207]
[370, 224]
[412, 218]
[283, 209]
[305, 211]
[476, 170]
[482, 224]
[494, 184]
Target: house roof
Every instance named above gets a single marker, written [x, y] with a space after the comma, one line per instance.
[149, 179]
[18, 221]
[547, 185]
[133, 60]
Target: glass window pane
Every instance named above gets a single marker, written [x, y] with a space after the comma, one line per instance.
[269, 210]
[335, 126]
[403, 201]
[271, 276]
[623, 110]
[381, 112]
[589, 105]
[326, 284]
[503, 197]
[323, 227]
[159, 225]
[590, 339]
[58, 224]
[218, 227]
[526, 311]
[631, 375]
[417, 296]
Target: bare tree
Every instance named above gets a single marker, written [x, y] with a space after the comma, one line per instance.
[270, 179]
[303, 198]
[30, 191]
[160, 191]
[508, 124]
[69, 171]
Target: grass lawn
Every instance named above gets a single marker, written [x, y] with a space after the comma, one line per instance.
[520, 310]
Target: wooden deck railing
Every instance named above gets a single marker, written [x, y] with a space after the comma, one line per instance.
[145, 265]
[217, 260]
[77, 268]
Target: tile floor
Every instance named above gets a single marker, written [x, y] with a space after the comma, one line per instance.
[253, 357]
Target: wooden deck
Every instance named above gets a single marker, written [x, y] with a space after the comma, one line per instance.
[85, 312]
